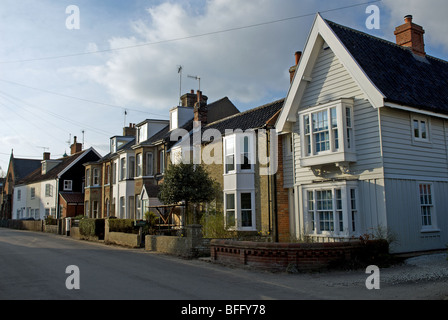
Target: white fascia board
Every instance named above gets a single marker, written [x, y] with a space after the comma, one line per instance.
[77, 160]
[415, 110]
[374, 95]
[321, 32]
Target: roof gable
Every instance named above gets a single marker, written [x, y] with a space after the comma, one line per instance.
[402, 76]
[321, 33]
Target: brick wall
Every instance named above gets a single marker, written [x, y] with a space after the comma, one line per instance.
[281, 256]
[282, 199]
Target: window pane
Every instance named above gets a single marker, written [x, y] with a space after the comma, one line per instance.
[416, 129]
[246, 209]
[245, 164]
[423, 129]
[230, 210]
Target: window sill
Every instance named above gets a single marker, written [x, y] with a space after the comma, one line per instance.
[433, 230]
[328, 158]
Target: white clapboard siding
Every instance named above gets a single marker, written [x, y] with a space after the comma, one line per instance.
[403, 158]
[331, 81]
[404, 216]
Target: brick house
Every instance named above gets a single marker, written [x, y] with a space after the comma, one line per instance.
[124, 183]
[367, 119]
[253, 198]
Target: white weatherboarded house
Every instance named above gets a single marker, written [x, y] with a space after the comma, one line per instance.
[369, 124]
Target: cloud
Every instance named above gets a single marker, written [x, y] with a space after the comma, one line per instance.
[430, 14]
[246, 65]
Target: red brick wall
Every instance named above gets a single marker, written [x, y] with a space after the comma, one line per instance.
[282, 199]
[278, 256]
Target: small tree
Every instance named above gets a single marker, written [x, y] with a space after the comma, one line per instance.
[187, 182]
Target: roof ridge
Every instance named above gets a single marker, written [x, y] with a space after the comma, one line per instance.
[246, 112]
[380, 39]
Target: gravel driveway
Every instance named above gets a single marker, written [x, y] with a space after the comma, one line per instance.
[423, 277]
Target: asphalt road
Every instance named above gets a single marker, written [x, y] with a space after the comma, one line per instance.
[33, 267]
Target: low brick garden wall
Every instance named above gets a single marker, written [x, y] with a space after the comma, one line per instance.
[296, 256]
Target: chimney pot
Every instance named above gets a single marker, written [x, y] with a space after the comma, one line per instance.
[46, 156]
[408, 18]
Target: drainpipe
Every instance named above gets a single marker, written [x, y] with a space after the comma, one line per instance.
[272, 202]
[57, 199]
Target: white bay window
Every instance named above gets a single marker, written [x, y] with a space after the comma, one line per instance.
[240, 210]
[331, 209]
[327, 134]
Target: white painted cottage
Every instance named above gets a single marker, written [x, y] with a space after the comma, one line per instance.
[369, 124]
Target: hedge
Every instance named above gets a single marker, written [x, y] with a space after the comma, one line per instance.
[91, 227]
[122, 225]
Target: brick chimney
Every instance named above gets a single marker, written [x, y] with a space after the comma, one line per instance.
[130, 131]
[190, 99]
[410, 35]
[201, 108]
[292, 70]
[75, 147]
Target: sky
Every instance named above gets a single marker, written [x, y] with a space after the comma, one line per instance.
[119, 64]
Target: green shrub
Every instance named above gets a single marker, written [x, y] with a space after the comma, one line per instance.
[91, 227]
[213, 225]
[122, 225]
[51, 221]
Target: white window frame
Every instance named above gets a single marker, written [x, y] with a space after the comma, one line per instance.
[68, 185]
[149, 164]
[229, 153]
[95, 209]
[420, 120]
[96, 176]
[139, 165]
[341, 145]
[131, 167]
[122, 207]
[123, 168]
[88, 178]
[238, 151]
[33, 193]
[430, 202]
[237, 210]
[48, 190]
[345, 210]
[162, 161]
[114, 172]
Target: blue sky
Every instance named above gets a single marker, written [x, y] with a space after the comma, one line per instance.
[38, 109]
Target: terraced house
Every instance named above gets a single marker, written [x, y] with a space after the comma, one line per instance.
[124, 183]
[368, 121]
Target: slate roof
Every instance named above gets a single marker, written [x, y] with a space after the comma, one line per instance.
[252, 119]
[404, 78]
[23, 167]
[37, 176]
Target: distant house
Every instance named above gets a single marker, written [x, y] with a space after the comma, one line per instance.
[40, 193]
[230, 150]
[18, 168]
[124, 183]
[368, 119]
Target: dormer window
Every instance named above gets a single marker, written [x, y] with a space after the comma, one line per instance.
[174, 119]
[327, 134]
